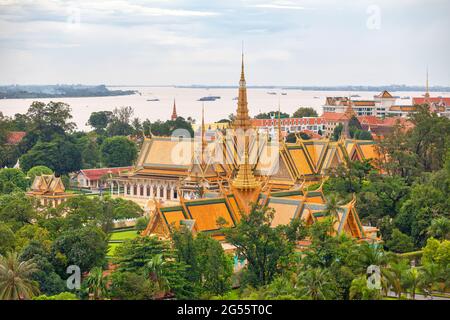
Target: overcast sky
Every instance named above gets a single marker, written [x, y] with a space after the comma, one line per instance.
[199, 42]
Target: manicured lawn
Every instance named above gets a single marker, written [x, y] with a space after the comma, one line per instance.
[123, 235]
[112, 248]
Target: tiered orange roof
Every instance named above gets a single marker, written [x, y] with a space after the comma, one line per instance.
[209, 215]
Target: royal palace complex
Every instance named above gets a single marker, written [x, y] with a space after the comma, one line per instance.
[197, 181]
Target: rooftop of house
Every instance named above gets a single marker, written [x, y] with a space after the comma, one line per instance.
[15, 137]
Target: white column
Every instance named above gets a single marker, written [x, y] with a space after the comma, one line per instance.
[165, 192]
[151, 190]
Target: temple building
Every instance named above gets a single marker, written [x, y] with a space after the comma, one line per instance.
[49, 190]
[224, 209]
[171, 168]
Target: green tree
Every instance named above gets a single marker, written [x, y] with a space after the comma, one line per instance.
[16, 209]
[394, 274]
[38, 171]
[400, 242]
[100, 120]
[440, 228]
[85, 247]
[131, 286]
[60, 155]
[316, 284]
[134, 256]
[156, 271]
[429, 138]
[15, 282]
[263, 246]
[305, 112]
[118, 152]
[119, 124]
[12, 180]
[50, 283]
[59, 296]
[7, 239]
[360, 291]
[337, 132]
[271, 114]
[411, 280]
[96, 284]
[207, 264]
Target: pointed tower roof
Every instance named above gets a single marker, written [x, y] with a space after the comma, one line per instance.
[242, 120]
[427, 92]
[349, 111]
[245, 180]
[280, 137]
[174, 112]
[204, 143]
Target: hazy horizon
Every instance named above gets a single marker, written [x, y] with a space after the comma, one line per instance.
[180, 42]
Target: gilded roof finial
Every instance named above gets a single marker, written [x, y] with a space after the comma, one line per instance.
[203, 134]
[245, 180]
[242, 120]
[280, 138]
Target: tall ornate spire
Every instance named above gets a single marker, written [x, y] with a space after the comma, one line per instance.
[174, 112]
[204, 143]
[427, 92]
[242, 120]
[349, 111]
[280, 138]
[245, 180]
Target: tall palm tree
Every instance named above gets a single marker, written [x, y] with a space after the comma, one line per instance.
[411, 280]
[372, 255]
[333, 205]
[430, 275]
[360, 291]
[440, 228]
[97, 283]
[394, 274]
[155, 268]
[316, 284]
[15, 282]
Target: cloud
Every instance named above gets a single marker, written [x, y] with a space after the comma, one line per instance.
[285, 5]
[185, 41]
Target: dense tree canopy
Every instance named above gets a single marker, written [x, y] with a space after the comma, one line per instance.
[118, 152]
[305, 112]
[60, 155]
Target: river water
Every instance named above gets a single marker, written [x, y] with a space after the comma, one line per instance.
[187, 105]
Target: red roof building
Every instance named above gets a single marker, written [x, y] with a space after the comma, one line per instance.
[15, 137]
[90, 178]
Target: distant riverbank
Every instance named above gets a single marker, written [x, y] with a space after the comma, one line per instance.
[59, 91]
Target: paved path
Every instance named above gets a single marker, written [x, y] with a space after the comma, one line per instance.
[419, 296]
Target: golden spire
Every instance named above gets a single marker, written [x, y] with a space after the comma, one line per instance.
[427, 92]
[280, 138]
[242, 120]
[245, 180]
[174, 112]
[349, 112]
[204, 143]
